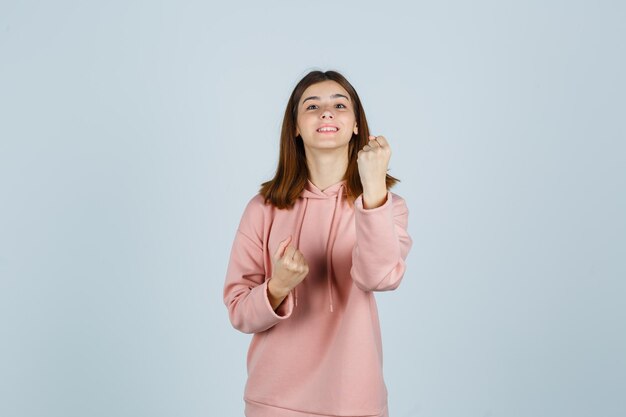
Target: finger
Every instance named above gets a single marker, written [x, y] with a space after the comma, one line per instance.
[289, 252]
[382, 141]
[374, 144]
[281, 247]
[298, 257]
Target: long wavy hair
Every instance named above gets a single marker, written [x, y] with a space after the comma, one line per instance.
[292, 172]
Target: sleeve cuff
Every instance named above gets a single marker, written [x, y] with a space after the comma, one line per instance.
[284, 310]
[358, 203]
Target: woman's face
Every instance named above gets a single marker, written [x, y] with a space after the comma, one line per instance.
[326, 106]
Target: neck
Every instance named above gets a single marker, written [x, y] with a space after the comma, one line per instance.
[326, 166]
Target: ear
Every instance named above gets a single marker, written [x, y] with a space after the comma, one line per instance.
[356, 129]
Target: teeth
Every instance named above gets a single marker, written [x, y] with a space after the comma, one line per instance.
[327, 129]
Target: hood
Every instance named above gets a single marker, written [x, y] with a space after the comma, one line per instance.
[335, 192]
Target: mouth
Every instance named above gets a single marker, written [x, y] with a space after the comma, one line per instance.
[328, 129]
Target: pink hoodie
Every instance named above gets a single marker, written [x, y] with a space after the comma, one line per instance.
[320, 353]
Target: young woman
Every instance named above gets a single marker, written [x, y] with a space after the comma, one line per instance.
[311, 248]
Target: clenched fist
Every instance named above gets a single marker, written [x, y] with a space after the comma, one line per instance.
[372, 162]
[289, 269]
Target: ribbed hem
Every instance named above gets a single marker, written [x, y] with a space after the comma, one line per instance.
[255, 409]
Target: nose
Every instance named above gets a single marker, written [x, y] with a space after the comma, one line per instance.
[327, 114]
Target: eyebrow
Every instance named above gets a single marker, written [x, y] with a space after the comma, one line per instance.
[317, 98]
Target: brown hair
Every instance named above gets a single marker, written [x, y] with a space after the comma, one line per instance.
[292, 172]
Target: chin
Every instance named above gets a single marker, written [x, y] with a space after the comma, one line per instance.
[331, 145]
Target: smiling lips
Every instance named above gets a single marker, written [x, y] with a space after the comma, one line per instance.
[328, 129]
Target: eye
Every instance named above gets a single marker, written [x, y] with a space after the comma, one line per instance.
[312, 106]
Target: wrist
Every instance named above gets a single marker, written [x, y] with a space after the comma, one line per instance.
[276, 290]
[375, 187]
[373, 199]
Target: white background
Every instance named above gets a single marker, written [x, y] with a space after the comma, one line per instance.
[132, 133]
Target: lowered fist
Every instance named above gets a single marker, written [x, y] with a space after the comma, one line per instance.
[289, 269]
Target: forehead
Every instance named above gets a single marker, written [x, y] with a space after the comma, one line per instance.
[324, 90]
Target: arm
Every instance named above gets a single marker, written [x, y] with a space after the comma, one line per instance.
[275, 295]
[252, 306]
[382, 244]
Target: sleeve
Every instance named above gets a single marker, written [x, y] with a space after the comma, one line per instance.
[245, 287]
[382, 244]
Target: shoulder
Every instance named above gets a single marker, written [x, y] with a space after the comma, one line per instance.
[257, 202]
[255, 209]
[252, 223]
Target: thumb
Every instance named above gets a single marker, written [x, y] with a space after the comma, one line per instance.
[281, 247]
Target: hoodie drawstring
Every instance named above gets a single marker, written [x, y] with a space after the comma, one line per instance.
[299, 229]
[332, 235]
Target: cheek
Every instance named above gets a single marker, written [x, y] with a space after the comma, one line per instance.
[307, 120]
